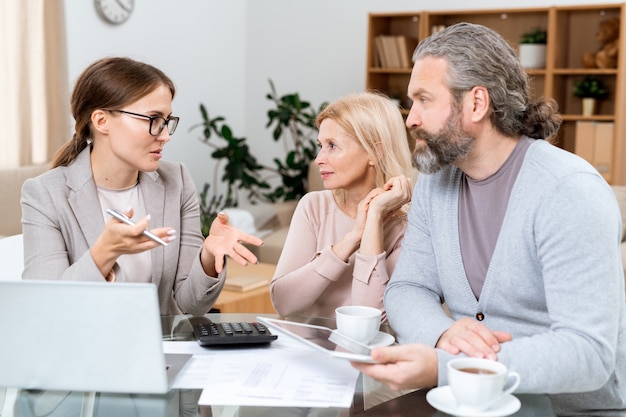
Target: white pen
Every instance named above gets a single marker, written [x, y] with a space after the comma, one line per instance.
[124, 218]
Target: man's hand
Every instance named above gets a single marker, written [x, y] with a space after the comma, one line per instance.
[473, 339]
[402, 366]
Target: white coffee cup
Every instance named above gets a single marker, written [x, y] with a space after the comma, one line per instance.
[479, 383]
[360, 323]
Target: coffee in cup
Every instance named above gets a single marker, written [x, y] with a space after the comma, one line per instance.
[360, 323]
[478, 383]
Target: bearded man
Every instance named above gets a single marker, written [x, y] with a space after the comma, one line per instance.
[518, 237]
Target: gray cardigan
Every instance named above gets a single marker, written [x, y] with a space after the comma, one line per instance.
[61, 220]
[555, 281]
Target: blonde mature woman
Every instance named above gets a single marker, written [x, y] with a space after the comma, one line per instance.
[344, 241]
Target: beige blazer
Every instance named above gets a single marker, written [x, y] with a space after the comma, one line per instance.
[61, 220]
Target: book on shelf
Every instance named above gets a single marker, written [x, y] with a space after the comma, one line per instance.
[393, 51]
[406, 47]
[386, 51]
[380, 60]
[243, 283]
[389, 51]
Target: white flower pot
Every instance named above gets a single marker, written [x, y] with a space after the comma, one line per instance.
[532, 55]
[589, 106]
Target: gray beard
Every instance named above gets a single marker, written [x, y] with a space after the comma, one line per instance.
[434, 157]
[449, 145]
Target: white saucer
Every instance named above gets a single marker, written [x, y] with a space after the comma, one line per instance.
[443, 400]
[381, 339]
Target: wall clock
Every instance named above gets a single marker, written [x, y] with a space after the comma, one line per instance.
[114, 11]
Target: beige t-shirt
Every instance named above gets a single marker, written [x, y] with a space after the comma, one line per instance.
[137, 267]
[311, 280]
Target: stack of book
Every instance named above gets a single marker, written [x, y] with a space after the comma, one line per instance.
[243, 283]
[394, 51]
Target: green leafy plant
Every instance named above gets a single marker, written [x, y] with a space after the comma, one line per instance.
[292, 120]
[536, 36]
[210, 205]
[590, 87]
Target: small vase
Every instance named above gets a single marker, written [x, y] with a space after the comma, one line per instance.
[532, 55]
[589, 106]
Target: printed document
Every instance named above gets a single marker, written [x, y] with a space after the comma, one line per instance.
[285, 373]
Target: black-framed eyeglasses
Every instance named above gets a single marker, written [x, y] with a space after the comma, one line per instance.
[155, 129]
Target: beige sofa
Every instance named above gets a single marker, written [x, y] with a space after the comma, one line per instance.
[11, 180]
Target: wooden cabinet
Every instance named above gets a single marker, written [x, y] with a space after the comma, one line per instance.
[253, 301]
[571, 32]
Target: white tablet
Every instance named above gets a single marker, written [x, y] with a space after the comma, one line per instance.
[322, 338]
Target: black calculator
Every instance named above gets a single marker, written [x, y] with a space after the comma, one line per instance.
[234, 333]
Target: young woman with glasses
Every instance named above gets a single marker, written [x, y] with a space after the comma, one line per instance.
[123, 114]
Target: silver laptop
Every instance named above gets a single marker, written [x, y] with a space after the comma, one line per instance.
[83, 336]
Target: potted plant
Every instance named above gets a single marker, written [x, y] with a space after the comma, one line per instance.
[590, 89]
[532, 49]
[293, 121]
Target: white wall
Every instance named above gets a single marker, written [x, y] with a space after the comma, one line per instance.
[222, 53]
[200, 44]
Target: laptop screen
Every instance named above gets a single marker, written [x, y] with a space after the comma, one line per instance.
[81, 336]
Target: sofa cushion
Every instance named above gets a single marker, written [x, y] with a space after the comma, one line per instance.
[272, 246]
[258, 219]
[11, 180]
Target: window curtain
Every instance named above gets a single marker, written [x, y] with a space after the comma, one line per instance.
[34, 91]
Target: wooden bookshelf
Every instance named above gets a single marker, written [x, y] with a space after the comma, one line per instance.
[571, 32]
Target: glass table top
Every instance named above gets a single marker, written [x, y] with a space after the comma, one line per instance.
[370, 398]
